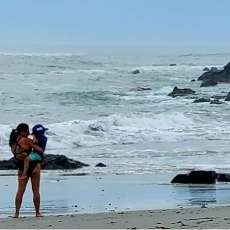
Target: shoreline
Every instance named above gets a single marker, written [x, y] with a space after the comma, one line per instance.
[215, 217]
[110, 193]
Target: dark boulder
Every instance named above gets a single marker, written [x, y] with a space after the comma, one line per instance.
[217, 75]
[202, 177]
[196, 177]
[136, 71]
[201, 100]
[228, 97]
[223, 177]
[8, 164]
[60, 162]
[51, 162]
[206, 69]
[180, 92]
[214, 69]
[100, 165]
[208, 83]
[181, 178]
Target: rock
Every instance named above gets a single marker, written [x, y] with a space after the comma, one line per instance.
[201, 100]
[214, 69]
[180, 92]
[217, 75]
[208, 83]
[206, 69]
[228, 97]
[136, 71]
[60, 162]
[173, 64]
[97, 127]
[141, 89]
[196, 177]
[223, 177]
[50, 162]
[180, 178]
[8, 164]
[216, 102]
[100, 165]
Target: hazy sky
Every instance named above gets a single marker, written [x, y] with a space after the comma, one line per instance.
[163, 23]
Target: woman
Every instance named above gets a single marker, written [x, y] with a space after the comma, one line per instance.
[21, 146]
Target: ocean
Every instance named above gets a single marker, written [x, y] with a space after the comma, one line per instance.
[95, 112]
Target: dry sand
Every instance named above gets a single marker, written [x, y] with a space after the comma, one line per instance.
[218, 217]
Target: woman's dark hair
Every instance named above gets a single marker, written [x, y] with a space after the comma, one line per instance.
[15, 132]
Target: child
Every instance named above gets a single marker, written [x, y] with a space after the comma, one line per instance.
[38, 136]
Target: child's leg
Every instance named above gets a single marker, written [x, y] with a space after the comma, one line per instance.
[26, 167]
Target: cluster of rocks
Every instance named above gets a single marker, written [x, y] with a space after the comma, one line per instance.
[217, 75]
[215, 99]
[201, 177]
[181, 92]
[50, 162]
[211, 77]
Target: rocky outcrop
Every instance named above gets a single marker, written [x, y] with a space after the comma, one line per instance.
[223, 177]
[51, 162]
[228, 97]
[201, 177]
[196, 177]
[136, 71]
[8, 164]
[201, 100]
[217, 75]
[206, 69]
[61, 162]
[208, 83]
[181, 92]
[100, 165]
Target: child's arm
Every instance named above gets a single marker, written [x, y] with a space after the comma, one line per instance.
[35, 147]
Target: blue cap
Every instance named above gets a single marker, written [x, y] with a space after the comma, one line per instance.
[39, 129]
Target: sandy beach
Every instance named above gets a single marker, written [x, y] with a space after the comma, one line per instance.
[217, 217]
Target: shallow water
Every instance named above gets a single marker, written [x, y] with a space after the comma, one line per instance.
[90, 194]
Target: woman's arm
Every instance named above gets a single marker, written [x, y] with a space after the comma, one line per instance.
[32, 145]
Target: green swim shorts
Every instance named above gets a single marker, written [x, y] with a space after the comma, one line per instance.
[35, 156]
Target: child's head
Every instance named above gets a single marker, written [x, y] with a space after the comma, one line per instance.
[39, 130]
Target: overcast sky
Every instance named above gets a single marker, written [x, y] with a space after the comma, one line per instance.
[156, 23]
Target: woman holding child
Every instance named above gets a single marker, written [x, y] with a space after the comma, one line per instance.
[28, 153]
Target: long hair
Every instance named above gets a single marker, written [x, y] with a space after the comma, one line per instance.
[15, 133]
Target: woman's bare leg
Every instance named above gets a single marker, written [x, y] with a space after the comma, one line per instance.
[26, 167]
[35, 181]
[18, 199]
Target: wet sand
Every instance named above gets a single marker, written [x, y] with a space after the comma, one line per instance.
[217, 217]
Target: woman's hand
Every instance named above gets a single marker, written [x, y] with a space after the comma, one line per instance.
[34, 146]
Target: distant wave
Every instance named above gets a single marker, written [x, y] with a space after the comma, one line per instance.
[204, 54]
[40, 54]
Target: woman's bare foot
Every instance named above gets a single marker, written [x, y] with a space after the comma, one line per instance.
[39, 215]
[16, 215]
